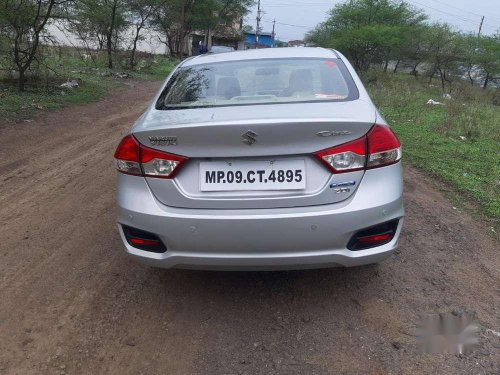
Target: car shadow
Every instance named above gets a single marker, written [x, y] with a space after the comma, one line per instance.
[228, 286]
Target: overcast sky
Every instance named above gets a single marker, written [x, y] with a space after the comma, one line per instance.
[464, 15]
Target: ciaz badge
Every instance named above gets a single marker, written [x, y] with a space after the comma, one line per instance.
[331, 133]
[163, 141]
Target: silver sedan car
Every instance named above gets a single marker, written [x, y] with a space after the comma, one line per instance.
[261, 159]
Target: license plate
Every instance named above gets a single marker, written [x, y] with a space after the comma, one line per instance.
[252, 175]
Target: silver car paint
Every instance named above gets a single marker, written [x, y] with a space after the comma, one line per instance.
[274, 230]
[283, 130]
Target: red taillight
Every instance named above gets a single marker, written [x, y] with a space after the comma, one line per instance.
[136, 159]
[160, 164]
[128, 149]
[384, 147]
[380, 147]
[127, 156]
[347, 157]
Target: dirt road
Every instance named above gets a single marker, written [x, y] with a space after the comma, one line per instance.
[72, 302]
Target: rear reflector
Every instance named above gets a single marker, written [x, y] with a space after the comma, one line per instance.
[143, 240]
[379, 148]
[136, 159]
[373, 236]
[376, 239]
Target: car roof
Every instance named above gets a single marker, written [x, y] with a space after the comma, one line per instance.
[264, 53]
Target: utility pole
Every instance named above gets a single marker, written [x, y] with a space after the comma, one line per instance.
[470, 65]
[480, 27]
[257, 29]
[274, 24]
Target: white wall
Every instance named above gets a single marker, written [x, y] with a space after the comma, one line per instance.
[150, 44]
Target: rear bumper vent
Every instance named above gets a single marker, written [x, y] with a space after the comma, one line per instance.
[143, 240]
[373, 236]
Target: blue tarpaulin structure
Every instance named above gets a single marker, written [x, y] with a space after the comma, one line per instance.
[265, 39]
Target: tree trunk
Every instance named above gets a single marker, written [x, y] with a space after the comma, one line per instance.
[109, 36]
[469, 75]
[486, 81]
[37, 29]
[431, 77]
[134, 47]
[21, 83]
[110, 57]
[386, 65]
[396, 67]
[414, 71]
[443, 79]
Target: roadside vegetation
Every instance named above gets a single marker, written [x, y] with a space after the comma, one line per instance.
[393, 35]
[64, 66]
[456, 136]
[107, 33]
[457, 141]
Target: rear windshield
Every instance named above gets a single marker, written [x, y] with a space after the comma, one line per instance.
[265, 81]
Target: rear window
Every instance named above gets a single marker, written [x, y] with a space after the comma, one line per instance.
[265, 81]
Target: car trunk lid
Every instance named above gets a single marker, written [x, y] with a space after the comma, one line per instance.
[264, 133]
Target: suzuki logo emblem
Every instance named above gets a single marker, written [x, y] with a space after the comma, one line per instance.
[250, 137]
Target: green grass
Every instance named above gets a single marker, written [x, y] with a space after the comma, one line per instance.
[159, 69]
[15, 105]
[96, 81]
[458, 142]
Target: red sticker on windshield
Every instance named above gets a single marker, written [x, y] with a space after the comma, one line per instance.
[331, 64]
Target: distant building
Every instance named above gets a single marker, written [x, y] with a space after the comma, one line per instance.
[296, 43]
[225, 35]
[229, 38]
[266, 40]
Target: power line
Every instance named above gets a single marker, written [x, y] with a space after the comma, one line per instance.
[465, 10]
[298, 5]
[454, 15]
[291, 25]
[451, 14]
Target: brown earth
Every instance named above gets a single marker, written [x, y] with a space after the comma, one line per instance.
[72, 302]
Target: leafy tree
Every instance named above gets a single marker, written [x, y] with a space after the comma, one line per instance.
[469, 47]
[488, 58]
[413, 47]
[140, 13]
[177, 18]
[368, 31]
[444, 52]
[99, 20]
[23, 24]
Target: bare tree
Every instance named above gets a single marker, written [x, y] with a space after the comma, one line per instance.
[100, 20]
[23, 24]
[140, 12]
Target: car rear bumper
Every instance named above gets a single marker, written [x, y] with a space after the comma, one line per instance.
[286, 238]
